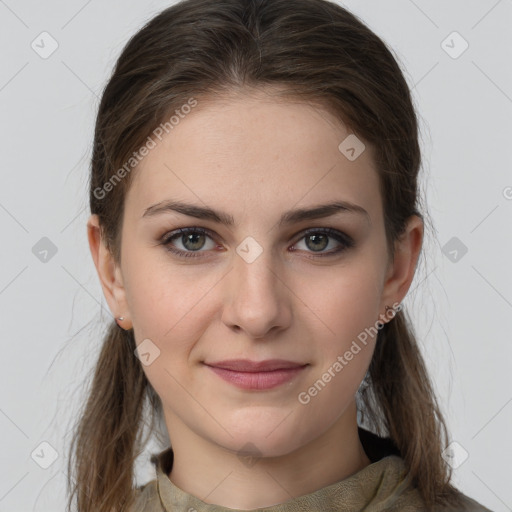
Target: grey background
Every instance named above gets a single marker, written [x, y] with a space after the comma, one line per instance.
[53, 311]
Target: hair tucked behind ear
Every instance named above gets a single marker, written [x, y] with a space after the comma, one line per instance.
[109, 435]
[312, 50]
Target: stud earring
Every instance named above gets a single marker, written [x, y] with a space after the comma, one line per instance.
[380, 323]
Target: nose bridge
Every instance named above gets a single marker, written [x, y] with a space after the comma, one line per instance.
[254, 271]
[256, 300]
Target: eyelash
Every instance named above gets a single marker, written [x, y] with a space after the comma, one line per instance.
[345, 241]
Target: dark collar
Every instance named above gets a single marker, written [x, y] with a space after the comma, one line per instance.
[376, 447]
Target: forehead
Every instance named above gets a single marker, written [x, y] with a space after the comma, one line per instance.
[257, 153]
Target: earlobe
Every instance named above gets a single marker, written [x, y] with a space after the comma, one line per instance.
[108, 271]
[403, 267]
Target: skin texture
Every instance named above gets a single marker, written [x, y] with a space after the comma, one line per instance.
[254, 157]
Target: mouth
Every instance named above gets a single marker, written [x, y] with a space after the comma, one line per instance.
[256, 375]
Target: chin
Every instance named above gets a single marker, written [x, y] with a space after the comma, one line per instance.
[265, 432]
[256, 445]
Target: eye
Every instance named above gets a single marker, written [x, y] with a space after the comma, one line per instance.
[191, 239]
[318, 239]
[194, 239]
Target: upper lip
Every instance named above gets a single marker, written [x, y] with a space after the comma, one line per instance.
[246, 365]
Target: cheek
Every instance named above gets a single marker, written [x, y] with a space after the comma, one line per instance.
[168, 307]
[346, 301]
[171, 306]
[349, 310]
[166, 302]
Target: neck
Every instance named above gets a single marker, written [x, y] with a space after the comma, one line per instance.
[267, 481]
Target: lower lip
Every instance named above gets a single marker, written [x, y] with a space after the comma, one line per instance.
[257, 380]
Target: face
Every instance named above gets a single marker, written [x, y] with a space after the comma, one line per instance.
[259, 280]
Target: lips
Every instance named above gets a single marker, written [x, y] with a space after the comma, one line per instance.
[245, 365]
[256, 375]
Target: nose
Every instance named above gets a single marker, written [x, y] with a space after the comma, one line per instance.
[257, 299]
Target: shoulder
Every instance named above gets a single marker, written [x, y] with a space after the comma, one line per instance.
[410, 500]
[146, 498]
[396, 493]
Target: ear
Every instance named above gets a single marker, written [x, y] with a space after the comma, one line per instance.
[109, 272]
[402, 268]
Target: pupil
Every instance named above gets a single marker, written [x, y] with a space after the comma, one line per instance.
[193, 239]
[317, 238]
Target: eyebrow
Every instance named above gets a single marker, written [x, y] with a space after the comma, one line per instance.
[287, 218]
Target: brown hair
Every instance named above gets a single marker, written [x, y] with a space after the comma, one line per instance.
[315, 51]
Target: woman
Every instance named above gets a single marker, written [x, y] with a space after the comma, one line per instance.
[255, 227]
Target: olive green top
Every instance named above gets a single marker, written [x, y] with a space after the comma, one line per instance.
[381, 486]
